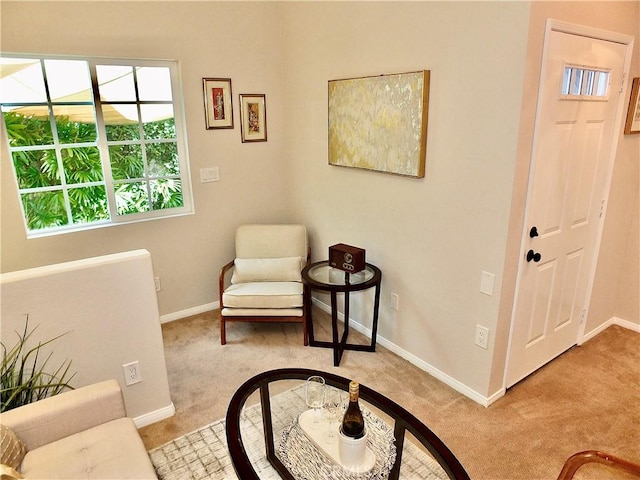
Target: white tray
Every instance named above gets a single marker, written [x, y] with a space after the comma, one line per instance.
[318, 436]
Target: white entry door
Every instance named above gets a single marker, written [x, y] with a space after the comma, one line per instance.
[576, 131]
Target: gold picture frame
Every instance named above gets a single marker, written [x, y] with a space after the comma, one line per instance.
[218, 108]
[253, 117]
[380, 123]
[632, 125]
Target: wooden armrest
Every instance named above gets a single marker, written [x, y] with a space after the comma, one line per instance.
[221, 280]
[577, 460]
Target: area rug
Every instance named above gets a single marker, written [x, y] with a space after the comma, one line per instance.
[203, 453]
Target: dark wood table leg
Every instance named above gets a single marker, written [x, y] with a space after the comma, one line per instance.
[308, 319]
[337, 354]
[346, 314]
[376, 309]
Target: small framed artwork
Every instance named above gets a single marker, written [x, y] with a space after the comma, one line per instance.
[253, 118]
[217, 103]
[632, 125]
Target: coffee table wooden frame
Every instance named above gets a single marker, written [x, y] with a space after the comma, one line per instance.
[403, 421]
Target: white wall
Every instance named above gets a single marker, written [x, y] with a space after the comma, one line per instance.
[105, 308]
[234, 40]
[431, 237]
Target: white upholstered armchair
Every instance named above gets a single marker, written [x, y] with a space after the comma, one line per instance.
[266, 281]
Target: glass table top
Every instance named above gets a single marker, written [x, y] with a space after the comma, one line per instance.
[323, 273]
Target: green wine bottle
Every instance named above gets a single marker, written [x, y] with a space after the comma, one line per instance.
[352, 422]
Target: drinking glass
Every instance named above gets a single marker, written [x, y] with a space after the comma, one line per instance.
[315, 397]
[333, 407]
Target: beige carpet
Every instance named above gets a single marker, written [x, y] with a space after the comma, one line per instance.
[589, 398]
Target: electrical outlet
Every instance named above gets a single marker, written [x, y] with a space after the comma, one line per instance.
[482, 336]
[395, 301]
[132, 374]
[158, 284]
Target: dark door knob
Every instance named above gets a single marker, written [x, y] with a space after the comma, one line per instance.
[533, 232]
[531, 255]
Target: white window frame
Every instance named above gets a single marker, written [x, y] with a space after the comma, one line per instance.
[102, 145]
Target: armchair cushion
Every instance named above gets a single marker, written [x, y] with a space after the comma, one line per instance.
[111, 450]
[56, 417]
[263, 295]
[271, 241]
[285, 269]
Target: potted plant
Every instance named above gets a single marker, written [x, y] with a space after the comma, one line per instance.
[25, 379]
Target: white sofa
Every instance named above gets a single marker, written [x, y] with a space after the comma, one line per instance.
[82, 433]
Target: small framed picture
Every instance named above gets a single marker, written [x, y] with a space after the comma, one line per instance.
[218, 110]
[253, 118]
[632, 125]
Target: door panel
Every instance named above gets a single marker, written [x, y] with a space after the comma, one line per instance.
[571, 158]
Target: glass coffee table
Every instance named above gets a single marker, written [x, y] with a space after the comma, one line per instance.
[266, 441]
[321, 276]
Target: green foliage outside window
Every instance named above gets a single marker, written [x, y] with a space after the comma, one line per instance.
[38, 168]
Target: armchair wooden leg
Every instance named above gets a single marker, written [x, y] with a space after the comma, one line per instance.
[223, 332]
[304, 332]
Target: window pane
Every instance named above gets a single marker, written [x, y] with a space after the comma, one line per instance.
[587, 87]
[566, 78]
[21, 81]
[27, 126]
[44, 209]
[154, 83]
[166, 193]
[576, 81]
[89, 204]
[123, 132]
[36, 168]
[126, 161]
[68, 80]
[115, 83]
[132, 198]
[603, 83]
[75, 123]
[82, 165]
[158, 121]
[162, 159]
[121, 122]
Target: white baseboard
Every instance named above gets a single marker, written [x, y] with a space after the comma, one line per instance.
[170, 317]
[612, 321]
[626, 324]
[430, 369]
[421, 364]
[155, 416]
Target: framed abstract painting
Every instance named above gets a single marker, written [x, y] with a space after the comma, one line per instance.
[380, 123]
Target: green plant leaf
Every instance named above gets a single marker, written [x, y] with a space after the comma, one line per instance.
[24, 378]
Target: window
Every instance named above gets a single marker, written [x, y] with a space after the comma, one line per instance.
[584, 83]
[94, 142]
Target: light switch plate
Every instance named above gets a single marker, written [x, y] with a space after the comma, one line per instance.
[209, 174]
[486, 283]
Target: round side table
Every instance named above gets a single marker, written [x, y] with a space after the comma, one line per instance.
[321, 276]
